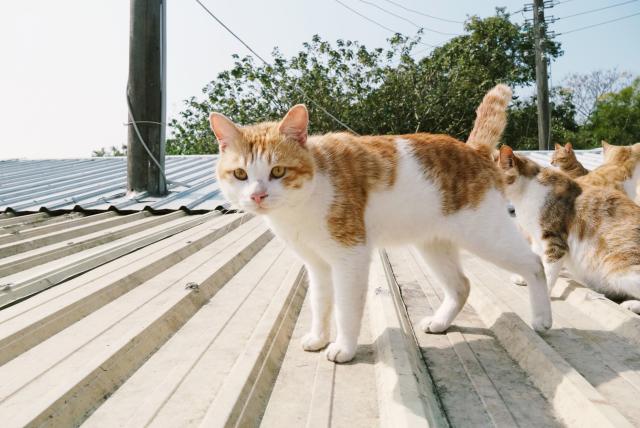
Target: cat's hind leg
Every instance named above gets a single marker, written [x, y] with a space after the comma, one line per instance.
[629, 285]
[495, 238]
[443, 259]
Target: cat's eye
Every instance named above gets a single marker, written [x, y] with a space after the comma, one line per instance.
[240, 174]
[278, 171]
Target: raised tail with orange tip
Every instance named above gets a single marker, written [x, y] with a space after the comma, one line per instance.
[491, 119]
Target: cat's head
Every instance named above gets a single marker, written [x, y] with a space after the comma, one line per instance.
[563, 157]
[518, 171]
[267, 166]
[620, 154]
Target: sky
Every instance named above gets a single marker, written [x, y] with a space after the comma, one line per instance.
[64, 64]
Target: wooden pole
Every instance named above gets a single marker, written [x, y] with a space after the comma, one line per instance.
[145, 94]
[542, 81]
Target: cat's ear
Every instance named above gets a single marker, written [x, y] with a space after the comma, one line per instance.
[295, 124]
[507, 158]
[568, 147]
[225, 130]
[605, 146]
[558, 146]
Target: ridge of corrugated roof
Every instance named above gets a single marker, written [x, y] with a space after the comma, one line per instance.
[99, 184]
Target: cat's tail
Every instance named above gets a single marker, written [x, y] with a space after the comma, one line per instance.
[491, 119]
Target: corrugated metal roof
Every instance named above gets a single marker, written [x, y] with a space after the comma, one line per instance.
[590, 159]
[146, 319]
[99, 184]
[179, 320]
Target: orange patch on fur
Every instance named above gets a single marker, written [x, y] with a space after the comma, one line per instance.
[264, 140]
[620, 162]
[463, 173]
[356, 167]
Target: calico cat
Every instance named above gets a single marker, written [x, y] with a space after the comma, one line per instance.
[594, 232]
[333, 198]
[565, 159]
[620, 170]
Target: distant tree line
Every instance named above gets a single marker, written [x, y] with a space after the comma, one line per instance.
[389, 91]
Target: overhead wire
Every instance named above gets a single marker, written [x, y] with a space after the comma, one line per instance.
[387, 11]
[134, 123]
[265, 62]
[598, 24]
[422, 13]
[597, 10]
[373, 21]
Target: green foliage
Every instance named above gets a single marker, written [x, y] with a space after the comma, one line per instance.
[616, 117]
[108, 152]
[522, 126]
[374, 91]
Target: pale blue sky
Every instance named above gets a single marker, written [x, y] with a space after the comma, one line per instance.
[63, 64]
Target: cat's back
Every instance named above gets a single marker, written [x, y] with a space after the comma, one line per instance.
[439, 156]
[611, 174]
[609, 222]
[364, 165]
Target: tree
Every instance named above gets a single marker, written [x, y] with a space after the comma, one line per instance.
[586, 89]
[374, 91]
[616, 117]
[109, 152]
[522, 129]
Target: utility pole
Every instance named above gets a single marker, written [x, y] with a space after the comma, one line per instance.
[542, 80]
[145, 96]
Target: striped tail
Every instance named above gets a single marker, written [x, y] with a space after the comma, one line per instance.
[491, 119]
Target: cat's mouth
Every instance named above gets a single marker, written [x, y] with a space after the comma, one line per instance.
[262, 208]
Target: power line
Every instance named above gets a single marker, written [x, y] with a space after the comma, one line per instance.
[378, 24]
[597, 10]
[296, 87]
[423, 14]
[408, 20]
[598, 24]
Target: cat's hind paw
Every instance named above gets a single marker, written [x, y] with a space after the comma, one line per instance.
[432, 325]
[518, 280]
[340, 353]
[312, 342]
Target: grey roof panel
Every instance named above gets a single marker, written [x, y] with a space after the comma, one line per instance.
[99, 184]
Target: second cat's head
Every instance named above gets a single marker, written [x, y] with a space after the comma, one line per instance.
[620, 154]
[518, 171]
[267, 166]
[563, 157]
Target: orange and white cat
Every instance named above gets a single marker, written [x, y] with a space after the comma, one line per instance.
[593, 231]
[620, 169]
[565, 159]
[334, 198]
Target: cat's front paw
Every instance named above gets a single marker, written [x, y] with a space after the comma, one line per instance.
[542, 323]
[340, 353]
[312, 342]
[518, 280]
[432, 325]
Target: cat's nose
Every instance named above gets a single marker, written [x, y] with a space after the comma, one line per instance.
[258, 197]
